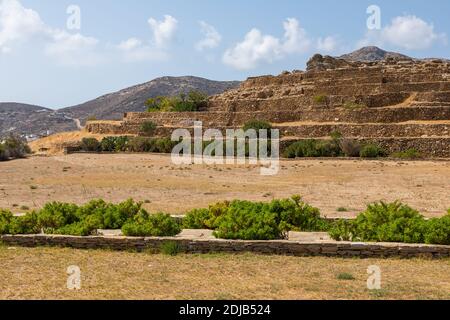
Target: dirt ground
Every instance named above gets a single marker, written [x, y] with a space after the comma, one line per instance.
[41, 273]
[326, 184]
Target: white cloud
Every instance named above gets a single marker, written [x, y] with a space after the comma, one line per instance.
[257, 48]
[406, 32]
[17, 23]
[73, 49]
[163, 31]
[211, 38]
[134, 50]
[327, 44]
[130, 44]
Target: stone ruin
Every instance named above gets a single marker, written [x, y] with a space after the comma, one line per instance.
[397, 103]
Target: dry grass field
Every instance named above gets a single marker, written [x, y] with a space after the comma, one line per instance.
[40, 273]
[327, 184]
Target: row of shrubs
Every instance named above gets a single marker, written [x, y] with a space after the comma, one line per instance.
[247, 220]
[128, 144]
[70, 219]
[244, 220]
[13, 147]
[338, 146]
[144, 144]
[393, 222]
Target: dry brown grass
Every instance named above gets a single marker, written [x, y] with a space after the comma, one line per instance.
[326, 184]
[55, 144]
[40, 273]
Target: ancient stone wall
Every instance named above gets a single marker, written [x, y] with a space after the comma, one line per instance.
[329, 249]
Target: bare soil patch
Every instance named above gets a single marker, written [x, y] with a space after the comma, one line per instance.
[337, 187]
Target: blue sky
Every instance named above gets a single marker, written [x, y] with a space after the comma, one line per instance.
[123, 43]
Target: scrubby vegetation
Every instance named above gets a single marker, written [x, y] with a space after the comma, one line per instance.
[191, 102]
[320, 99]
[393, 222]
[70, 219]
[372, 151]
[257, 125]
[336, 146]
[408, 154]
[13, 147]
[243, 220]
[128, 144]
[257, 220]
[148, 128]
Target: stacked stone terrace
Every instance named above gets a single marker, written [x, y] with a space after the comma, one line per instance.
[399, 104]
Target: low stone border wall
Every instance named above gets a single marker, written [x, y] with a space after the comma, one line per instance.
[329, 249]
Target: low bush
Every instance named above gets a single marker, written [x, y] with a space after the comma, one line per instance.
[147, 225]
[170, 248]
[90, 145]
[408, 154]
[312, 148]
[148, 128]
[320, 99]
[13, 147]
[114, 144]
[5, 220]
[372, 151]
[351, 105]
[257, 125]
[256, 220]
[392, 222]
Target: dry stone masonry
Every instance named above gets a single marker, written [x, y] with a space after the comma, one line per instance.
[398, 102]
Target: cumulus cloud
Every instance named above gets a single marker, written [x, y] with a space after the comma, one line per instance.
[327, 44]
[18, 23]
[163, 31]
[257, 48]
[73, 49]
[211, 38]
[134, 50]
[406, 32]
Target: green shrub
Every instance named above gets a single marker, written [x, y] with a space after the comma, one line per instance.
[266, 221]
[27, 224]
[371, 151]
[114, 144]
[342, 230]
[320, 99]
[13, 147]
[146, 225]
[198, 219]
[438, 231]
[5, 220]
[408, 154]
[148, 128]
[90, 145]
[170, 248]
[312, 148]
[257, 125]
[381, 222]
[345, 276]
[56, 215]
[351, 105]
